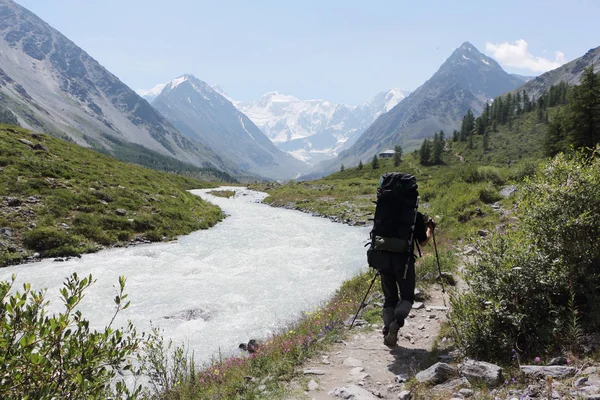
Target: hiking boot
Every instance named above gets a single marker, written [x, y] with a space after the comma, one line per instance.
[391, 338]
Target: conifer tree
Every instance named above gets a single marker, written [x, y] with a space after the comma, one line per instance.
[397, 155]
[486, 140]
[554, 142]
[584, 111]
[437, 148]
[360, 165]
[425, 152]
[455, 136]
[375, 162]
[342, 168]
[470, 141]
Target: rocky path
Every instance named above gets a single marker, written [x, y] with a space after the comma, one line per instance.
[362, 367]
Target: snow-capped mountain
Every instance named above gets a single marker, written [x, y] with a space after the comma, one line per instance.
[315, 130]
[151, 94]
[464, 82]
[201, 113]
[49, 84]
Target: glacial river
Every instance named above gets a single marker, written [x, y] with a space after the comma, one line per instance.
[244, 278]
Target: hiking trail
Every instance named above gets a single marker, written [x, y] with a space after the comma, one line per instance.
[363, 368]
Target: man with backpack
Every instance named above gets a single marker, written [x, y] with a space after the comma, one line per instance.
[397, 227]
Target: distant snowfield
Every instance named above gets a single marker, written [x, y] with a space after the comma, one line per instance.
[213, 289]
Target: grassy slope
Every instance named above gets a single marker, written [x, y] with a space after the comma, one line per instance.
[64, 201]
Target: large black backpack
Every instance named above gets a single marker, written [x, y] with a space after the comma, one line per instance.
[395, 214]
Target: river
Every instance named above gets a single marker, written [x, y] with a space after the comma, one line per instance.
[244, 278]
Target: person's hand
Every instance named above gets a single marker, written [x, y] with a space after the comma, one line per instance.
[431, 224]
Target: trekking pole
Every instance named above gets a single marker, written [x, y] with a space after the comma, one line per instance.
[363, 300]
[437, 257]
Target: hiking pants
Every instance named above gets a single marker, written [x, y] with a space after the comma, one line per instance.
[392, 280]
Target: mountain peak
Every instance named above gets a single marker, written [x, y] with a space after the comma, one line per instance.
[468, 46]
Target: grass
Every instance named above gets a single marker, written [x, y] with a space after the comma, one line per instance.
[222, 193]
[70, 200]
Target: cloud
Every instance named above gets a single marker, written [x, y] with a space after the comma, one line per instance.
[517, 55]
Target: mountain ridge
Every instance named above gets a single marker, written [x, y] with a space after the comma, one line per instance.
[202, 113]
[50, 84]
[464, 81]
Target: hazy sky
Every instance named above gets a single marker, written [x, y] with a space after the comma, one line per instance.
[339, 50]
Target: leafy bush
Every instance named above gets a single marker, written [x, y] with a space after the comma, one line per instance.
[536, 288]
[52, 356]
[46, 238]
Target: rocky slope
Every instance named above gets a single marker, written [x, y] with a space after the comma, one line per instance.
[49, 84]
[464, 81]
[202, 114]
[570, 73]
[316, 130]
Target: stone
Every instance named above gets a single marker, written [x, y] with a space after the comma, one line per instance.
[448, 278]
[558, 361]
[312, 385]
[33, 199]
[479, 370]
[356, 370]
[353, 392]
[587, 371]
[452, 385]
[352, 362]
[262, 387]
[542, 371]
[419, 295]
[483, 232]
[581, 381]
[313, 371]
[13, 201]
[27, 142]
[404, 395]
[120, 211]
[417, 305]
[437, 373]
[422, 328]
[401, 378]
[439, 308]
[40, 146]
[466, 392]
[6, 232]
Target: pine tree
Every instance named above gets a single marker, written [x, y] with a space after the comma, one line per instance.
[584, 111]
[342, 168]
[468, 124]
[360, 165]
[375, 162]
[438, 148]
[397, 155]
[455, 136]
[425, 152]
[486, 140]
[470, 141]
[554, 142]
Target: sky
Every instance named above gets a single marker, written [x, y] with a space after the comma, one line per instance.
[344, 51]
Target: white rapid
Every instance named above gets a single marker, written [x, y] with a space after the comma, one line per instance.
[210, 290]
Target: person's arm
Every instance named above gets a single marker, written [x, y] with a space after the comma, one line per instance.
[429, 233]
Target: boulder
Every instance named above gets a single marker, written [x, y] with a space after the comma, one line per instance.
[558, 361]
[13, 202]
[40, 146]
[312, 385]
[6, 232]
[313, 371]
[352, 362]
[436, 374]
[121, 212]
[482, 371]
[27, 142]
[404, 395]
[542, 371]
[353, 392]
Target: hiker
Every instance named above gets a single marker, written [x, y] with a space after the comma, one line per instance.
[397, 226]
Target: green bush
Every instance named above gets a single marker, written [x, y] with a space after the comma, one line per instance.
[46, 238]
[535, 288]
[57, 356]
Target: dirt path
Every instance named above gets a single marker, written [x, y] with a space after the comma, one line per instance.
[365, 366]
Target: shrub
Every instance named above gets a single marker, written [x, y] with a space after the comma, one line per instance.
[47, 238]
[531, 287]
[51, 356]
